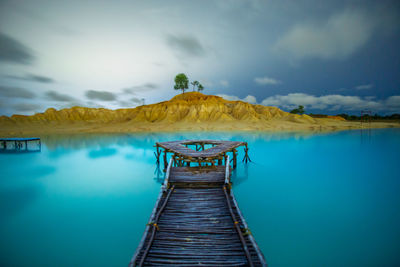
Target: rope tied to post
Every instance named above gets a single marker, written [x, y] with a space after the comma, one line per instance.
[154, 224]
[246, 231]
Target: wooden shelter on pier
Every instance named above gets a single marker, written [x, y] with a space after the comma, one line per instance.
[20, 145]
[187, 151]
[196, 219]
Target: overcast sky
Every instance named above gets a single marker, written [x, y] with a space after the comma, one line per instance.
[330, 56]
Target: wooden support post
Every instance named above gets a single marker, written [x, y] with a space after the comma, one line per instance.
[157, 155]
[246, 154]
[26, 145]
[234, 158]
[165, 160]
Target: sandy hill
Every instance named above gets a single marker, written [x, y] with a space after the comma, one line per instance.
[188, 111]
[188, 107]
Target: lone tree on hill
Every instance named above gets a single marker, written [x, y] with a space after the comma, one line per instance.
[195, 83]
[300, 110]
[200, 87]
[181, 82]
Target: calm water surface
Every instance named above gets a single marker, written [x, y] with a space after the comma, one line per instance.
[310, 200]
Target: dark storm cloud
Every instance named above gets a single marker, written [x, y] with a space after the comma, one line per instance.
[186, 45]
[140, 88]
[13, 51]
[32, 78]
[55, 96]
[17, 92]
[100, 95]
[24, 107]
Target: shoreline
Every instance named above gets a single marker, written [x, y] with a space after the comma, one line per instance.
[190, 112]
[323, 125]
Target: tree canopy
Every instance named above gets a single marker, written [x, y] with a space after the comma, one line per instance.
[300, 110]
[195, 83]
[181, 82]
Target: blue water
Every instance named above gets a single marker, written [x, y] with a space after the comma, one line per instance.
[310, 199]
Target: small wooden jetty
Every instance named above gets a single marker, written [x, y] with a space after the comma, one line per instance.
[187, 151]
[196, 219]
[20, 145]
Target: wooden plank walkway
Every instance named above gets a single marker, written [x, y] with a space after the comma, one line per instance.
[196, 221]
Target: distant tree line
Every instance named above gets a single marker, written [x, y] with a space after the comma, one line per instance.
[348, 117]
[300, 110]
[182, 83]
[394, 117]
[375, 117]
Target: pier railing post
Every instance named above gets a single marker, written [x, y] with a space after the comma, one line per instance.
[234, 158]
[166, 180]
[227, 171]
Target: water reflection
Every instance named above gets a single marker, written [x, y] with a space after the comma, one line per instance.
[158, 174]
[31, 172]
[14, 200]
[146, 140]
[102, 152]
[238, 176]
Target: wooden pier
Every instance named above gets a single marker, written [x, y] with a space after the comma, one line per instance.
[20, 145]
[196, 219]
[188, 151]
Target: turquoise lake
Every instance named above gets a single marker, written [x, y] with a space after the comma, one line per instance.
[316, 199]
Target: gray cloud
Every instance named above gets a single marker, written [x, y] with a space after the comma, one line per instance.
[333, 102]
[186, 45]
[140, 88]
[132, 102]
[32, 77]
[17, 92]
[250, 99]
[25, 107]
[100, 95]
[266, 81]
[13, 51]
[53, 95]
[364, 86]
[137, 101]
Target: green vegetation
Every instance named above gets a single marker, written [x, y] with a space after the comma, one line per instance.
[195, 83]
[182, 83]
[365, 117]
[200, 88]
[376, 117]
[300, 110]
